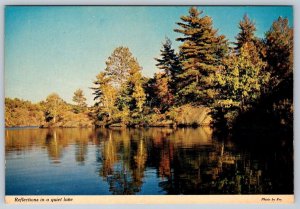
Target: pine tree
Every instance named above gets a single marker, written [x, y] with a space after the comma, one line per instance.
[201, 53]
[246, 34]
[279, 55]
[169, 64]
[151, 93]
[243, 80]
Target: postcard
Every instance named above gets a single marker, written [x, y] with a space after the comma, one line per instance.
[149, 104]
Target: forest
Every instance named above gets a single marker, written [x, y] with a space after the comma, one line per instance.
[207, 81]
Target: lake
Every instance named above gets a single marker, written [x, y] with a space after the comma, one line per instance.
[145, 161]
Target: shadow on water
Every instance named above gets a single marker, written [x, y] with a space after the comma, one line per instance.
[273, 149]
[262, 139]
[266, 133]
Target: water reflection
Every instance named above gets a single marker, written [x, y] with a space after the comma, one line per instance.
[186, 161]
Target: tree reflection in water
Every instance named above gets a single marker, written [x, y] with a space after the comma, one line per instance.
[186, 160]
[123, 160]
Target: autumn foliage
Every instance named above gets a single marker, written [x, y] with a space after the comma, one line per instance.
[206, 76]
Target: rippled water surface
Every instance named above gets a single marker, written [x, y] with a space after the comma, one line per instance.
[141, 161]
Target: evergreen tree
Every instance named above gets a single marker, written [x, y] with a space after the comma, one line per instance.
[279, 54]
[279, 57]
[169, 63]
[246, 34]
[201, 54]
[151, 93]
[243, 79]
[80, 101]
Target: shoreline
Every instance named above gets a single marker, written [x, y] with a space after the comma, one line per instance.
[108, 127]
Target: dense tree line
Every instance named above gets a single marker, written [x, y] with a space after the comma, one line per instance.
[207, 80]
[22, 113]
[206, 72]
[51, 112]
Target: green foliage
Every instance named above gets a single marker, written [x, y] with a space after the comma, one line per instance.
[200, 55]
[244, 77]
[54, 107]
[169, 62]
[240, 83]
[166, 82]
[119, 92]
[171, 67]
[135, 82]
[207, 82]
[105, 96]
[152, 99]
[53, 112]
[275, 106]
[279, 51]
[246, 35]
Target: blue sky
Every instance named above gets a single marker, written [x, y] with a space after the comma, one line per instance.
[60, 49]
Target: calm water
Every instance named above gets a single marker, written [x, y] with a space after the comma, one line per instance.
[142, 161]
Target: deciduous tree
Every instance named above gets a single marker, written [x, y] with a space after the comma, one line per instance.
[54, 107]
[241, 81]
[105, 95]
[80, 101]
[118, 66]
